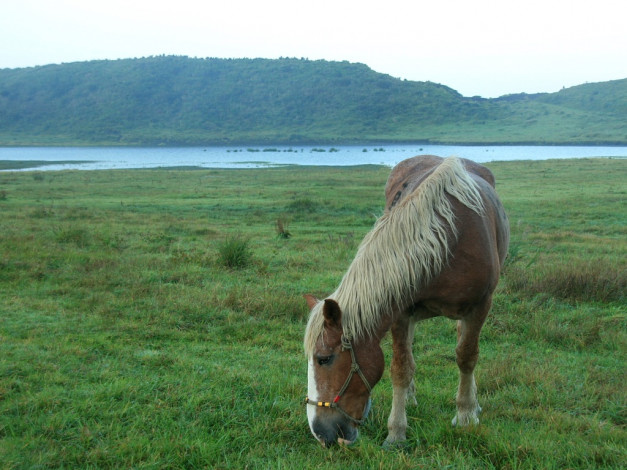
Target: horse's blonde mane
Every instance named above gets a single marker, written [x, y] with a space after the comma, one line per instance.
[407, 247]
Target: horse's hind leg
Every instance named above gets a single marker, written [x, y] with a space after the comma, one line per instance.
[402, 370]
[467, 352]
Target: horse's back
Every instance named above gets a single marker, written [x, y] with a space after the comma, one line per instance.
[407, 175]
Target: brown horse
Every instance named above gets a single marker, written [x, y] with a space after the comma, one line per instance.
[437, 251]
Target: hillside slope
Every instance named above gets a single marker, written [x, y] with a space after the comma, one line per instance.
[171, 100]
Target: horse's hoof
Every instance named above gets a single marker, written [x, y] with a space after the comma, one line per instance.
[394, 444]
[469, 419]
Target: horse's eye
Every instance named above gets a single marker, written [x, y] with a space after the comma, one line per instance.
[322, 360]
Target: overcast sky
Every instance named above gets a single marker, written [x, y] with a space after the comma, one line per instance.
[478, 47]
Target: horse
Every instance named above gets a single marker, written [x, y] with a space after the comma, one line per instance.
[437, 250]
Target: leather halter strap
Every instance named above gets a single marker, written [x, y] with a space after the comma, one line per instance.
[346, 345]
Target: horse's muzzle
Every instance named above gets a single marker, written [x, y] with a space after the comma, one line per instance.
[330, 428]
[340, 430]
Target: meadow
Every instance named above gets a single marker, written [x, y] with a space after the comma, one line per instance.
[154, 319]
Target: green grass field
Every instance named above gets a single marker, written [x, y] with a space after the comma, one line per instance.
[129, 338]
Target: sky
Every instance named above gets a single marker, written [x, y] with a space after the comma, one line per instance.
[487, 48]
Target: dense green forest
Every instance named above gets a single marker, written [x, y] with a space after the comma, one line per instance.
[174, 100]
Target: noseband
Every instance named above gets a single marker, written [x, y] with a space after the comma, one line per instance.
[346, 345]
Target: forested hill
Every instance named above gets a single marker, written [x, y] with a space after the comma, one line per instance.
[172, 100]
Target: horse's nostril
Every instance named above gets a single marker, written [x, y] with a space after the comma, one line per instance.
[324, 433]
[326, 441]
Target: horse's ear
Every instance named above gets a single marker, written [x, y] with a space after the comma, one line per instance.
[332, 313]
[311, 300]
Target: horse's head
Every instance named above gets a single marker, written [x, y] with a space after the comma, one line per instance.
[341, 375]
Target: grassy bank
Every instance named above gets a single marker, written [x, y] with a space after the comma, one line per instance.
[128, 339]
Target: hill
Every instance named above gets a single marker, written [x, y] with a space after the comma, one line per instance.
[173, 100]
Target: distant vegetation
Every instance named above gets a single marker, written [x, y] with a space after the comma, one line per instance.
[172, 100]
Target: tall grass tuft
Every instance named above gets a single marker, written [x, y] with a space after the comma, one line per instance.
[303, 205]
[235, 253]
[281, 229]
[76, 235]
[598, 280]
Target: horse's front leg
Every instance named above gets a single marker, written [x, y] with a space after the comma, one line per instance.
[403, 368]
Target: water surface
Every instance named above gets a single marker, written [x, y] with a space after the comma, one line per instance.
[100, 158]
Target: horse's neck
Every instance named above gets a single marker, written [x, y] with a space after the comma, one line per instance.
[372, 329]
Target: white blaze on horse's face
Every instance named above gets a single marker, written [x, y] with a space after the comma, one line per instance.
[312, 391]
[327, 426]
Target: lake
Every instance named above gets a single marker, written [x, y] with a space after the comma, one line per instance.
[99, 158]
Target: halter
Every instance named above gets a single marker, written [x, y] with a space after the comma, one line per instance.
[346, 345]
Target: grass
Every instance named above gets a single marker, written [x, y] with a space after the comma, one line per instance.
[235, 253]
[125, 341]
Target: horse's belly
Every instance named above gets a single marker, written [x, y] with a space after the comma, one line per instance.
[434, 308]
